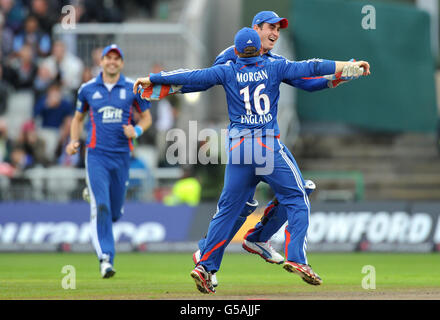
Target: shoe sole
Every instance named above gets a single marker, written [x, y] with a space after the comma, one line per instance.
[109, 273]
[245, 247]
[200, 282]
[305, 276]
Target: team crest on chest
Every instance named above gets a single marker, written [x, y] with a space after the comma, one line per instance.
[122, 94]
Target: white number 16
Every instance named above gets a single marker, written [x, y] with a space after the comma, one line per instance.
[257, 100]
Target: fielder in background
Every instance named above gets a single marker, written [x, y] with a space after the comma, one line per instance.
[268, 25]
[252, 91]
[109, 101]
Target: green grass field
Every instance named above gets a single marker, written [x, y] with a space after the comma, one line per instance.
[243, 276]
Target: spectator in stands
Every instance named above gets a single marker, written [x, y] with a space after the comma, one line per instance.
[33, 36]
[14, 13]
[33, 146]
[22, 69]
[19, 160]
[53, 109]
[67, 67]
[99, 11]
[46, 18]
[96, 60]
[6, 39]
[45, 77]
[5, 142]
[150, 6]
[5, 88]
[87, 75]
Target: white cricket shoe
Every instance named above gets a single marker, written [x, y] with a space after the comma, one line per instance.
[107, 270]
[264, 250]
[196, 259]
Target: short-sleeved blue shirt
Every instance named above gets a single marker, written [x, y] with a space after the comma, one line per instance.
[108, 111]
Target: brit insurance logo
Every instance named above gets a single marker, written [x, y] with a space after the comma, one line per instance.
[111, 114]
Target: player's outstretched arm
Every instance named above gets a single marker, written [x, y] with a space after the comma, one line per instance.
[349, 72]
[318, 67]
[209, 76]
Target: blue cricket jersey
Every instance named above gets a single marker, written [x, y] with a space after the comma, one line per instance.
[108, 111]
[228, 54]
[252, 88]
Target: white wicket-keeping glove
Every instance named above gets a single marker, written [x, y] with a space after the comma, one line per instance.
[348, 73]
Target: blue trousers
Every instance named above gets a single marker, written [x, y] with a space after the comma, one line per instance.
[241, 178]
[107, 180]
[275, 215]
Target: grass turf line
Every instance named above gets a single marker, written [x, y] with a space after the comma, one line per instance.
[166, 275]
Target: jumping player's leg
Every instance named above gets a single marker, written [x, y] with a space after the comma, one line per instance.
[250, 206]
[288, 185]
[239, 186]
[274, 217]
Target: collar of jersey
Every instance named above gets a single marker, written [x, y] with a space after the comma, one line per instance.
[121, 81]
[251, 60]
[269, 53]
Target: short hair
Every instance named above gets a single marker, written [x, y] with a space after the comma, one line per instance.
[249, 52]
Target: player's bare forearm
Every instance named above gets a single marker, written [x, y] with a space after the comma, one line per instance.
[143, 124]
[76, 128]
[145, 120]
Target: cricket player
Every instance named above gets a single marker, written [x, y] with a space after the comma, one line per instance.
[268, 25]
[252, 91]
[109, 101]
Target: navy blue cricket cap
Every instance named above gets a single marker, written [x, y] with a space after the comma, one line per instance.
[247, 37]
[270, 17]
[112, 47]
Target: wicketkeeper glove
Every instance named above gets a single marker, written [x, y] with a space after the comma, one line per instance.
[159, 91]
[348, 73]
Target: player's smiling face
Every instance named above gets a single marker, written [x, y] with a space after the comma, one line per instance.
[112, 63]
[269, 34]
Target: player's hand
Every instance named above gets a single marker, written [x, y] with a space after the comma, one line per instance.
[363, 64]
[129, 131]
[141, 83]
[349, 72]
[159, 91]
[72, 147]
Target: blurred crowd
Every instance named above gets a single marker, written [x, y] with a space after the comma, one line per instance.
[31, 60]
